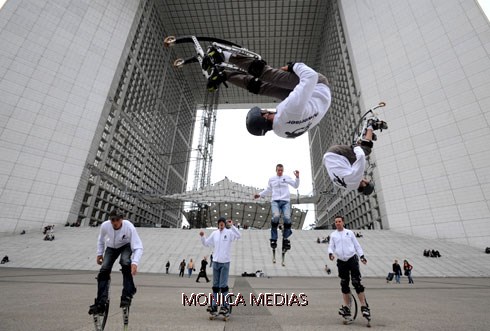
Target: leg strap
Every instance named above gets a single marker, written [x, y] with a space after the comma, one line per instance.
[254, 85]
[256, 68]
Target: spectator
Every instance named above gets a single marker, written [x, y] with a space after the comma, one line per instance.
[397, 270]
[167, 266]
[407, 267]
[182, 268]
[202, 271]
[190, 268]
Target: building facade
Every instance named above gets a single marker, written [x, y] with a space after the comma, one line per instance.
[92, 115]
[429, 61]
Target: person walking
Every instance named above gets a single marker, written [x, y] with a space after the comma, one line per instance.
[202, 271]
[167, 266]
[117, 237]
[221, 239]
[182, 268]
[397, 270]
[344, 245]
[407, 267]
[304, 93]
[190, 268]
[278, 187]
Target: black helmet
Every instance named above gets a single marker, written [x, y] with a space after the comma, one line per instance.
[256, 124]
[366, 190]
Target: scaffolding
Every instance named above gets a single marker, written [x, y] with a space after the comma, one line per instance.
[204, 160]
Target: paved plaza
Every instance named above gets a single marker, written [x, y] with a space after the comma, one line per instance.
[50, 300]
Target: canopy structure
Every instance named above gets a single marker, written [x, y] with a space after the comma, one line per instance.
[236, 201]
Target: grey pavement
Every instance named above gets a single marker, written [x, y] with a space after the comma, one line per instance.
[50, 299]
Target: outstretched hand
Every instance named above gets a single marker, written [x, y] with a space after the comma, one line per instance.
[296, 173]
[284, 68]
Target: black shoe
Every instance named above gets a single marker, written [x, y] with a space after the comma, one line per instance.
[286, 245]
[125, 301]
[224, 310]
[365, 312]
[213, 56]
[377, 124]
[214, 81]
[96, 309]
[344, 311]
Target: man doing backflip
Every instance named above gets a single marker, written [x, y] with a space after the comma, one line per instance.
[346, 164]
[221, 240]
[305, 95]
[344, 245]
[278, 186]
[119, 238]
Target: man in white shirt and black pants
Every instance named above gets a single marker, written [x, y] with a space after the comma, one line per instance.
[346, 164]
[304, 93]
[278, 186]
[117, 237]
[344, 245]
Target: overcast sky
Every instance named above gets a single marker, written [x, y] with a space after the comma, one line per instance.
[251, 160]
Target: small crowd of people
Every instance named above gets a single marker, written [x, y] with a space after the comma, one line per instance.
[325, 240]
[397, 272]
[431, 253]
[191, 268]
[48, 232]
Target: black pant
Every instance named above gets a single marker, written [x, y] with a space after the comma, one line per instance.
[347, 270]
[202, 273]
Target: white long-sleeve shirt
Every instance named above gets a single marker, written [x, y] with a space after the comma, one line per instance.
[344, 245]
[342, 173]
[304, 107]
[108, 237]
[221, 241]
[278, 187]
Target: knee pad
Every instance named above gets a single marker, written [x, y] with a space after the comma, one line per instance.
[256, 67]
[215, 289]
[344, 285]
[274, 225]
[104, 275]
[367, 143]
[224, 289]
[357, 285]
[125, 269]
[254, 85]
[287, 226]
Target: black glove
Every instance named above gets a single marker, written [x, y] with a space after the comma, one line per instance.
[290, 66]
